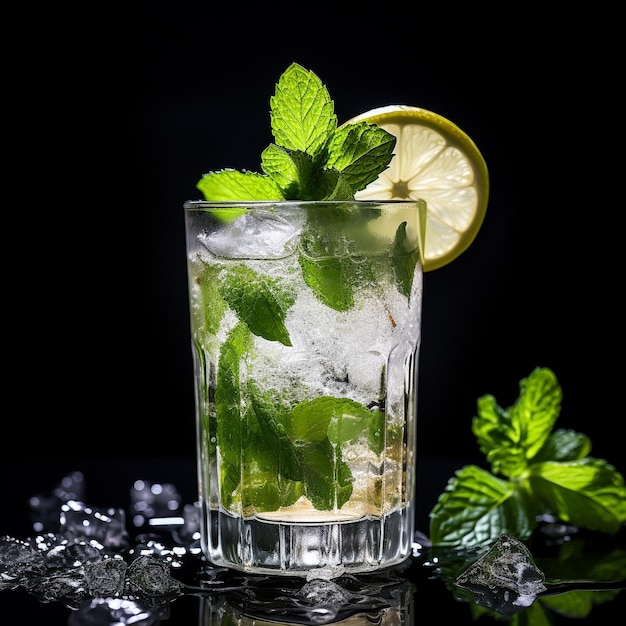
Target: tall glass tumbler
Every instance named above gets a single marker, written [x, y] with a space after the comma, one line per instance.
[305, 324]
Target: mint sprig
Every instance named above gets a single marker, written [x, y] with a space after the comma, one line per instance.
[272, 453]
[311, 157]
[542, 472]
[259, 301]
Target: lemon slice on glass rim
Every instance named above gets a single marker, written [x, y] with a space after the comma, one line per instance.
[435, 161]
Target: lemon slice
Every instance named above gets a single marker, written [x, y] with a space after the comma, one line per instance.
[436, 161]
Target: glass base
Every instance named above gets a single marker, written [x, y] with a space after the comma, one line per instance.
[313, 549]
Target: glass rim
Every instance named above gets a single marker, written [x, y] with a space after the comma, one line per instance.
[238, 204]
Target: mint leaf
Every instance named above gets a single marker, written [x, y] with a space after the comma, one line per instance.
[511, 437]
[227, 411]
[588, 492]
[537, 409]
[208, 306]
[548, 473]
[261, 302]
[404, 261]
[330, 262]
[311, 158]
[302, 452]
[233, 185]
[330, 279]
[299, 177]
[360, 152]
[380, 435]
[564, 445]
[339, 419]
[265, 490]
[291, 170]
[274, 420]
[310, 419]
[331, 185]
[302, 112]
[475, 509]
[498, 438]
[327, 478]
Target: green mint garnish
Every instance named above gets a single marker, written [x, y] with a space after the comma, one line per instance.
[282, 454]
[271, 453]
[543, 472]
[311, 158]
[227, 407]
[209, 306]
[404, 261]
[230, 184]
[261, 302]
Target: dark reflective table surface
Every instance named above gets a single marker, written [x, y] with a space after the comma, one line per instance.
[418, 592]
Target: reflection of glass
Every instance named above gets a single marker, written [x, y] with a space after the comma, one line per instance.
[305, 320]
[317, 603]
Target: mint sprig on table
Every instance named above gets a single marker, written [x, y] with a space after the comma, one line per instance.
[542, 471]
[312, 158]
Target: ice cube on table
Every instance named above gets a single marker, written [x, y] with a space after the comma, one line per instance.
[505, 578]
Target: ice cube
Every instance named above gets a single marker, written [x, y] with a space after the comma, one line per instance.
[505, 578]
[105, 578]
[254, 235]
[149, 575]
[107, 526]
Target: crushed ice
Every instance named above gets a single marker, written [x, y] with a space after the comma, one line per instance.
[253, 235]
[85, 558]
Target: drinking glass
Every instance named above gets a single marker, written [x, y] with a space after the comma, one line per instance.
[305, 329]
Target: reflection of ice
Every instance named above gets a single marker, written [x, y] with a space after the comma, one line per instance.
[505, 578]
[384, 599]
[110, 611]
[257, 235]
[149, 500]
[320, 592]
[108, 527]
[45, 508]
[133, 583]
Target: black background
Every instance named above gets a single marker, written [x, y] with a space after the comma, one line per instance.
[114, 115]
[124, 120]
[536, 288]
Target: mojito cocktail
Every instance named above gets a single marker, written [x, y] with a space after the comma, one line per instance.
[305, 285]
[305, 320]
